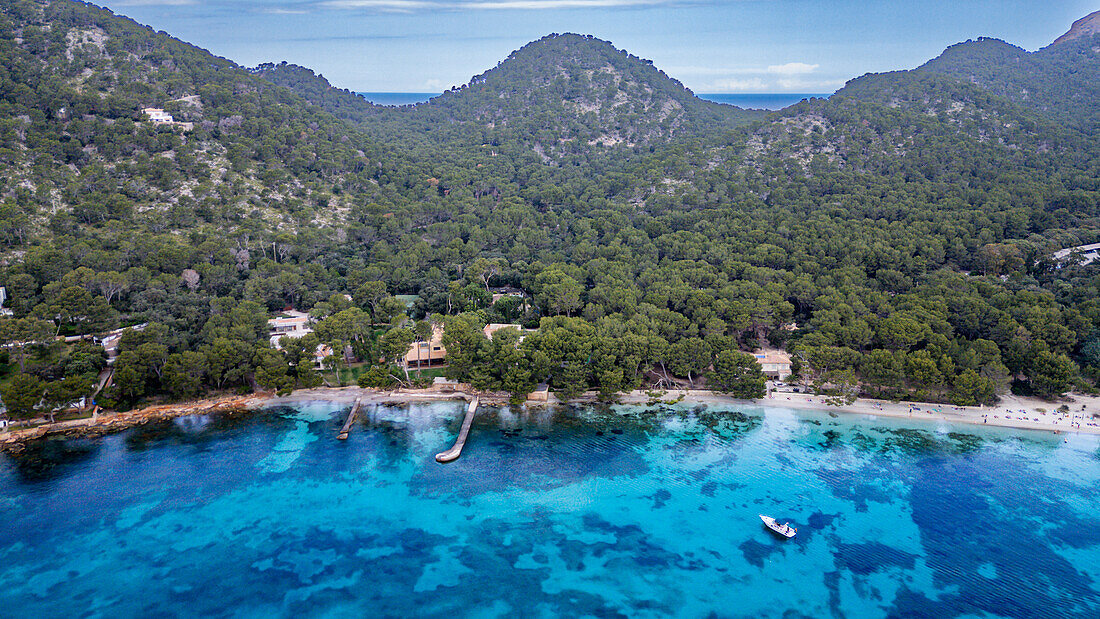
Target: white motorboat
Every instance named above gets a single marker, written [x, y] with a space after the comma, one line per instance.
[785, 529]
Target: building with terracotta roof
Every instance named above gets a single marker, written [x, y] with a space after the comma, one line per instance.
[774, 363]
[427, 353]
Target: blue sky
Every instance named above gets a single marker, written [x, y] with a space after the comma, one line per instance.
[712, 46]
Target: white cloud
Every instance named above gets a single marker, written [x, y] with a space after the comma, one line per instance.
[486, 5]
[782, 83]
[537, 5]
[800, 85]
[792, 68]
[740, 85]
[278, 11]
[155, 2]
[436, 85]
[381, 5]
[696, 70]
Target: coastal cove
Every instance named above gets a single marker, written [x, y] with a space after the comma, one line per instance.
[564, 337]
[566, 510]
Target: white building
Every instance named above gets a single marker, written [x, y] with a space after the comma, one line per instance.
[323, 351]
[774, 363]
[1089, 253]
[157, 116]
[493, 327]
[111, 340]
[4, 297]
[290, 323]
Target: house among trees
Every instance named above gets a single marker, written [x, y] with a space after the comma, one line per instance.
[775, 364]
[506, 291]
[111, 340]
[427, 353]
[1088, 254]
[291, 323]
[158, 116]
[493, 327]
[323, 351]
[296, 324]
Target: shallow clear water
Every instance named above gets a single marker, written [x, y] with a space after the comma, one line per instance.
[577, 512]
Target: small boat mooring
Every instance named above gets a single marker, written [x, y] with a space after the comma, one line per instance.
[343, 435]
[454, 452]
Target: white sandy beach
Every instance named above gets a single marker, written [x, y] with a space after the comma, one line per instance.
[1011, 412]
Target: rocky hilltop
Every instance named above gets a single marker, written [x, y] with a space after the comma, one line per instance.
[562, 95]
[581, 87]
[1086, 26]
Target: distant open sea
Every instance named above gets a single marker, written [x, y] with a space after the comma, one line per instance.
[562, 512]
[760, 101]
[397, 98]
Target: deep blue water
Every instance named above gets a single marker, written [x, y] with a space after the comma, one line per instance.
[397, 98]
[760, 101]
[578, 512]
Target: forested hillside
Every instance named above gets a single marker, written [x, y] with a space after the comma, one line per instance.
[1058, 81]
[561, 94]
[564, 111]
[896, 238]
[75, 78]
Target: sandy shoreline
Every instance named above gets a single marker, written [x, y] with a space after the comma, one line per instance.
[1011, 412]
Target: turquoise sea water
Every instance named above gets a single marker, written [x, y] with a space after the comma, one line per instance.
[574, 512]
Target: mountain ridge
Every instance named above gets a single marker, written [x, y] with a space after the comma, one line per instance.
[1059, 83]
[81, 76]
[905, 226]
[563, 87]
[1086, 26]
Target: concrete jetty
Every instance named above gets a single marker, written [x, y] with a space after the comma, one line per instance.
[343, 435]
[106, 377]
[454, 452]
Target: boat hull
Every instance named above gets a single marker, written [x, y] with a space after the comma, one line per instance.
[786, 531]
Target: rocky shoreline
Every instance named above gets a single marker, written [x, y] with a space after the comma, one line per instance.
[108, 423]
[13, 441]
